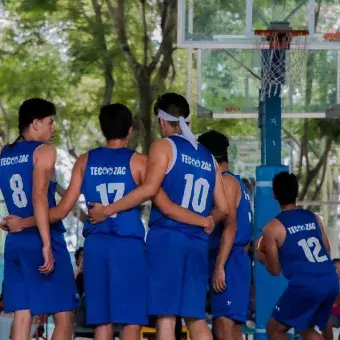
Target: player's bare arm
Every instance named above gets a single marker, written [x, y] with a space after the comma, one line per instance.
[221, 205]
[233, 194]
[158, 163]
[43, 173]
[274, 234]
[16, 224]
[324, 236]
[166, 206]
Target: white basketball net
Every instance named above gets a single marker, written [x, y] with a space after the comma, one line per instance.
[281, 66]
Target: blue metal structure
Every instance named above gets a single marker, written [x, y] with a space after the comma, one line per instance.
[268, 288]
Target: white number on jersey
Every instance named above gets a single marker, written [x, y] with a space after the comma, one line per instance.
[19, 196]
[307, 245]
[201, 190]
[105, 189]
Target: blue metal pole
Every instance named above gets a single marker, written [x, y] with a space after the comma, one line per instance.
[268, 288]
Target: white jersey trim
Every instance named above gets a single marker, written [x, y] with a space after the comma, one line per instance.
[174, 154]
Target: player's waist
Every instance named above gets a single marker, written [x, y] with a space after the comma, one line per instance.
[300, 274]
[234, 248]
[106, 228]
[192, 231]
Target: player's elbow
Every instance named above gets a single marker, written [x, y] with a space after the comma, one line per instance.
[274, 271]
[38, 198]
[61, 214]
[224, 209]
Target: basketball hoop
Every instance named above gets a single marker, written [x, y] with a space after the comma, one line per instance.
[283, 52]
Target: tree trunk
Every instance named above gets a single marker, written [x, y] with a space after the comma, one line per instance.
[144, 114]
[312, 174]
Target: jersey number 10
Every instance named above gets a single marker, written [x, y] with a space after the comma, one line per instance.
[200, 189]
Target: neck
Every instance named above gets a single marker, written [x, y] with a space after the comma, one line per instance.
[27, 136]
[117, 143]
[290, 206]
[224, 166]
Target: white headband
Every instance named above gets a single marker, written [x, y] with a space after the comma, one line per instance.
[187, 133]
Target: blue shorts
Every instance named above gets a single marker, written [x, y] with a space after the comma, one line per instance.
[177, 273]
[233, 302]
[25, 287]
[115, 280]
[307, 302]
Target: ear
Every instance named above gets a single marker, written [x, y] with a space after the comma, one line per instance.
[162, 123]
[36, 124]
[130, 133]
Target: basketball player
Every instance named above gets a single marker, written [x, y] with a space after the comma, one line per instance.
[295, 242]
[177, 253]
[114, 260]
[229, 262]
[36, 280]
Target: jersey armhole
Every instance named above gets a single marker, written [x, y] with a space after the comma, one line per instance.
[174, 154]
[239, 186]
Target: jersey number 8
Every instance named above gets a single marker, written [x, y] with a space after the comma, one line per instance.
[19, 196]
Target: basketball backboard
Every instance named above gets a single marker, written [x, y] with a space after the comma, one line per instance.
[229, 24]
[228, 83]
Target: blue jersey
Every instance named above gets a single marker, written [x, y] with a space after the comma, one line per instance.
[107, 179]
[243, 233]
[190, 182]
[16, 182]
[303, 252]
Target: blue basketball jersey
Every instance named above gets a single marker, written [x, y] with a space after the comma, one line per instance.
[190, 182]
[243, 233]
[16, 182]
[303, 251]
[107, 179]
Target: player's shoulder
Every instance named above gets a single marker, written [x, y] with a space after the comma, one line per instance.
[139, 159]
[230, 178]
[273, 226]
[82, 159]
[45, 150]
[161, 145]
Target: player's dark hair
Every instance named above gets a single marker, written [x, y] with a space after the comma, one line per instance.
[217, 144]
[174, 104]
[115, 121]
[336, 260]
[78, 253]
[286, 188]
[30, 109]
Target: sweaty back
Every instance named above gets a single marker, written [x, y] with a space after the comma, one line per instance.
[189, 182]
[303, 251]
[16, 181]
[243, 233]
[107, 179]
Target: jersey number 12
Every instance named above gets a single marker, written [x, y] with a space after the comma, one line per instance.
[307, 245]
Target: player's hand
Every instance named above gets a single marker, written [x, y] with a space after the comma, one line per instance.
[210, 225]
[14, 224]
[97, 213]
[48, 265]
[80, 268]
[218, 280]
[3, 225]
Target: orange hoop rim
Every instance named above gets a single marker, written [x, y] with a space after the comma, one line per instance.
[270, 32]
[332, 36]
